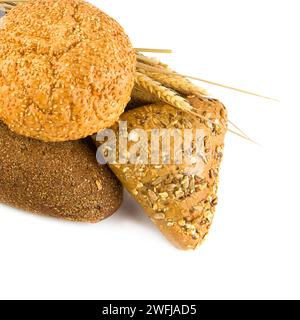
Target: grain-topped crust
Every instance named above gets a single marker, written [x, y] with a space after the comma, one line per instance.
[66, 69]
[180, 201]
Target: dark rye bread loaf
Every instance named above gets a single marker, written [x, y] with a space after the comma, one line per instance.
[61, 180]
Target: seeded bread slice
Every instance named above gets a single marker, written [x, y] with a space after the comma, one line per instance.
[179, 199]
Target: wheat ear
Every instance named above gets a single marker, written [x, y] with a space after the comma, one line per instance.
[159, 69]
[175, 82]
[161, 92]
[139, 94]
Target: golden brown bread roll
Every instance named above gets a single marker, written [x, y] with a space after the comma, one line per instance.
[180, 199]
[66, 69]
[62, 179]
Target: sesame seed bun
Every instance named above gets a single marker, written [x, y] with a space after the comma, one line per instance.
[66, 70]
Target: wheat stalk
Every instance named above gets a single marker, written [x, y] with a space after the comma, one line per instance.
[154, 62]
[153, 50]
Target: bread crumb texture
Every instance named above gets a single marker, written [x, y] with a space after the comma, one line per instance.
[66, 70]
[62, 179]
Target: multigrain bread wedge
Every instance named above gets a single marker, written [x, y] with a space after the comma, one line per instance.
[61, 180]
[66, 69]
[179, 199]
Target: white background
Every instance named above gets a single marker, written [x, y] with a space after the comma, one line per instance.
[253, 247]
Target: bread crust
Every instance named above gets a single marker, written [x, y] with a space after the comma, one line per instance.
[66, 70]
